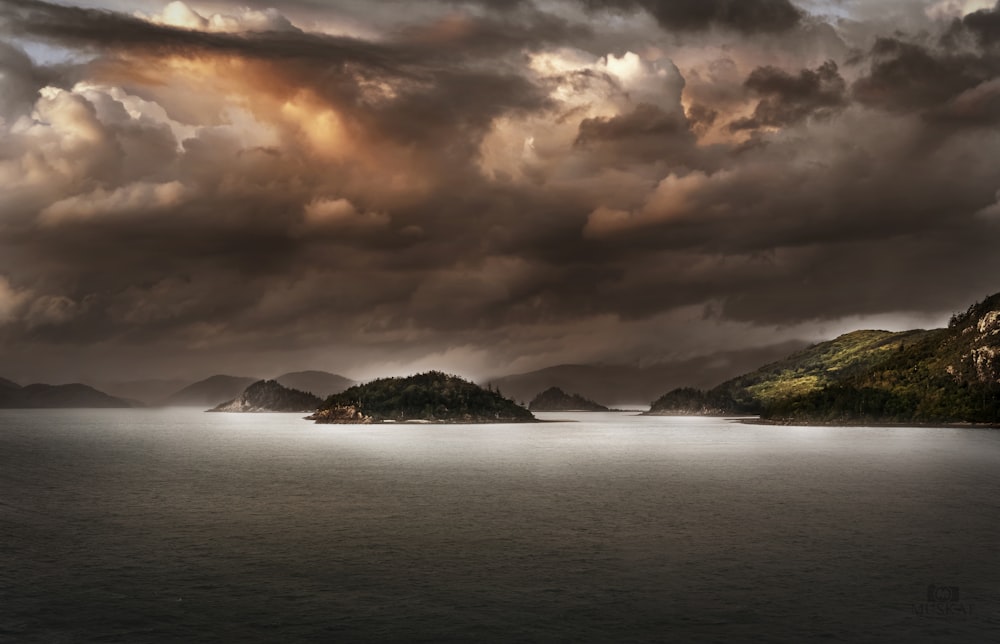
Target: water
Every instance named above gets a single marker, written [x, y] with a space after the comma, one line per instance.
[175, 526]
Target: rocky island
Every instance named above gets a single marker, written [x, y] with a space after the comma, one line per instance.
[269, 396]
[432, 397]
[555, 399]
[940, 376]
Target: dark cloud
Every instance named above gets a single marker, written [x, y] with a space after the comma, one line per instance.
[907, 76]
[701, 117]
[950, 86]
[647, 133]
[747, 16]
[20, 80]
[644, 121]
[985, 24]
[787, 99]
[484, 184]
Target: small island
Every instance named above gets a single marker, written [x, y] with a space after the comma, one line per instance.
[269, 396]
[555, 399]
[432, 397]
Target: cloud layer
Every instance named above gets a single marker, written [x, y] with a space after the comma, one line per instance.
[485, 187]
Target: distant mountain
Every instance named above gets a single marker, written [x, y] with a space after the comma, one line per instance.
[40, 396]
[555, 399]
[8, 384]
[630, 385]
[148, 392]
[940, 376]
[209, 392]
[430, 397]
[270, 396]
[319, 383]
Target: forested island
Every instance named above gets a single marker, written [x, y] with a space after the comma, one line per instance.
[949, 375]
[428, 397]
[270, 396]
[433, 397]
[555, 399]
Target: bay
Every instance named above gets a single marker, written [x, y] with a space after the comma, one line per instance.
[175, 525]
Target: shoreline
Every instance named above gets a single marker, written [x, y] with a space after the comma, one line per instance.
[872, 424]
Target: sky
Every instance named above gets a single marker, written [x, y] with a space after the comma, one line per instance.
[379, 187]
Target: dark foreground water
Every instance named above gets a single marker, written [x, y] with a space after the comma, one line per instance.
[136, 526]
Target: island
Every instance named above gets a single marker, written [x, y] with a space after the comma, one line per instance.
[939, 376]
[555, 399]
[432, 397]
[270, 396]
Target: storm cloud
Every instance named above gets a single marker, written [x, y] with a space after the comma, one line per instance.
[482, 188]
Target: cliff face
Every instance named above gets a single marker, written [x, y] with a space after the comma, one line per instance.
[938, 376]
[269, 396]
[984, 346]
[555, 399]
[431, 397]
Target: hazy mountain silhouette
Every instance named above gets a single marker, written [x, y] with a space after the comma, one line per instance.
[318, 383]
[209, 392]
[555, 399]
[629, 385]
[148, 392]
[42, 396]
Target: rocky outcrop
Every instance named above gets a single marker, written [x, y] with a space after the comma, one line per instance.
[341, 414]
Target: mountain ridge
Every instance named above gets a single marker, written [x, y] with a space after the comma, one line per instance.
[949, 375]
[210, 391]
[623, 385]
[69, 396]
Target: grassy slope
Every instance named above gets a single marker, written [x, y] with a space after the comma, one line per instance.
[817, 367]
[942, 375]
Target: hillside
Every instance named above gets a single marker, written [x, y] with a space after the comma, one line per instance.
[431, 397]
[270, 396]
[938, 376]
[318, 383]
[148, 392]
[74, 396]
[209, 392]
[633, 385]
[555, 399]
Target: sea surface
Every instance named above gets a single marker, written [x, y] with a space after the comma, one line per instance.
[181, 526]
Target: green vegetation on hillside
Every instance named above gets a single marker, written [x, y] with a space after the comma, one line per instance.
[433, 397]
[938, 376]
